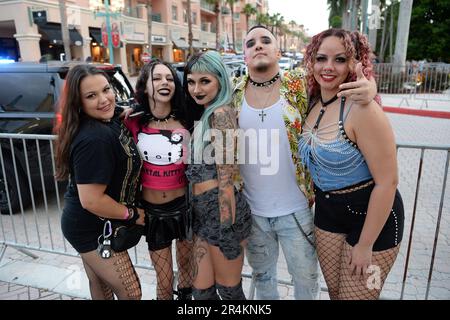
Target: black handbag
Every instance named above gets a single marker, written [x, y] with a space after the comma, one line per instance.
[118, 237]
[125, 237]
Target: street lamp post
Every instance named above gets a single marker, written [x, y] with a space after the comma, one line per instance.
[118, 5]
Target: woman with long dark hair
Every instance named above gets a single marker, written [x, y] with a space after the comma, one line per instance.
[97, 153]
[161, 135]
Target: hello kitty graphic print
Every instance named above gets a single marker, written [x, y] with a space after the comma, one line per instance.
[163, 153]
[161, 148]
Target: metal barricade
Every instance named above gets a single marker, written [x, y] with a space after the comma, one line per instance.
[27, 167]
[419, 81]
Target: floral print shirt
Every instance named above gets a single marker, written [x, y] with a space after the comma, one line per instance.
[293, 90]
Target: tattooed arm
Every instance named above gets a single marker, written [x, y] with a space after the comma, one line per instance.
[224, 127]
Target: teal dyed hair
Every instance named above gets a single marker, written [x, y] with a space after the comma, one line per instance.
[209, 62]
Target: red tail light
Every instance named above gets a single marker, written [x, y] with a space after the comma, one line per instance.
[58, 120]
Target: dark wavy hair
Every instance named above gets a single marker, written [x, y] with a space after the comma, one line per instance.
[357, 49]
[177, 103]
[70, 105]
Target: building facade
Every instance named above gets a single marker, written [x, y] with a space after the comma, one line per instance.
[31, 30]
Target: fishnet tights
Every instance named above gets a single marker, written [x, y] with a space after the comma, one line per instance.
[329, 251]
[368, 287]
[162, 261]
[113, 276]
[334, 257]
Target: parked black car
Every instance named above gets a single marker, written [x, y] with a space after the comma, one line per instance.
[28, 104]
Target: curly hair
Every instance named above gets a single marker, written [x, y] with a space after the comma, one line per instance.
[357, 49]
[177, 102]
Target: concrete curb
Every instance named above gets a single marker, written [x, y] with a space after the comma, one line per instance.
[418, 112]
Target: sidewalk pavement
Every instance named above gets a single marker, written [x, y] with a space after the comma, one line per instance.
[51, 276]
[428, 105]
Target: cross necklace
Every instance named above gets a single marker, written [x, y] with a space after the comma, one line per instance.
[262, 114]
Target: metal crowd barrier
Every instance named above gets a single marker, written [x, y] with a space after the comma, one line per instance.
[421, 81]
[27, 166]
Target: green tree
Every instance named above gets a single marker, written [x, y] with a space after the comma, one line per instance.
[231, 5]
[336, 8]
[429, 35]
[189, 19]
[216, 4]
[148, 48]
[248, 11]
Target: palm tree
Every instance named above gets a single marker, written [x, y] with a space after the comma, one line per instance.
[216, 4]
[148, 47]
[401, 43]
[263, 19]
[189, 21]
[248, 11]
[291, 31]
[64, 29]
[372, 30]
[231, 4]
[336, 10]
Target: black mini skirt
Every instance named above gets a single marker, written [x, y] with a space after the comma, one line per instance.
[166, 222]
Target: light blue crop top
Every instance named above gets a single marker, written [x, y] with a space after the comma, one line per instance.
[334, 164]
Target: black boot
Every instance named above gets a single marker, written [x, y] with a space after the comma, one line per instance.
[183, 293]
[231, 293]
[205, 294]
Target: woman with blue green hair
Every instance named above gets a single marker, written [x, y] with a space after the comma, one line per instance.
[222, 218]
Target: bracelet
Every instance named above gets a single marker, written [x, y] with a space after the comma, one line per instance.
[133, 214]
[127, 214]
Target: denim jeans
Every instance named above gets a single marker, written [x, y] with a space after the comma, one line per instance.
[301, 257]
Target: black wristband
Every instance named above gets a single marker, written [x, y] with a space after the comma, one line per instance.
[133, 215]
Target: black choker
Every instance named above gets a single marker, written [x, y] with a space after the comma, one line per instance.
[325, 103]
[166, 118]
[266, 83]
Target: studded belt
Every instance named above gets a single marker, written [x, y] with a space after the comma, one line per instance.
[352, 189]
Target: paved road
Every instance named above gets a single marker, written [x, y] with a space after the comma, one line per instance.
[63, 275]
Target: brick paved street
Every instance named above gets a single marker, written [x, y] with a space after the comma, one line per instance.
[11, 291]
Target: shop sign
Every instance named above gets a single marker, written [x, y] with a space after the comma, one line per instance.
[158, 39]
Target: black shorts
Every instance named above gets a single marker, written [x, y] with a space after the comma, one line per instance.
[82, 229]
[346, 213]
[165, 222]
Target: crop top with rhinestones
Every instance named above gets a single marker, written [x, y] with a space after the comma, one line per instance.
[163, 152]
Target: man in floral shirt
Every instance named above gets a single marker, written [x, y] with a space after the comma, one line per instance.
[270, 108]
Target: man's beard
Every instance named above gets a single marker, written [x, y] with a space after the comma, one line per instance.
[261, 68]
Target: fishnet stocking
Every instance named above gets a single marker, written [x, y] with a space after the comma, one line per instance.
[365, 287]
[329, 250]
[162, 261]
[185, 263]
[114, 275]
[127, 274]
[98, 288]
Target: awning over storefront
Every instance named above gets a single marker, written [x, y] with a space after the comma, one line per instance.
[180, 44]
[52, 33]
[96, 35]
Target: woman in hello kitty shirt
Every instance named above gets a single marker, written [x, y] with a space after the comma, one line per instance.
[161, 137]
